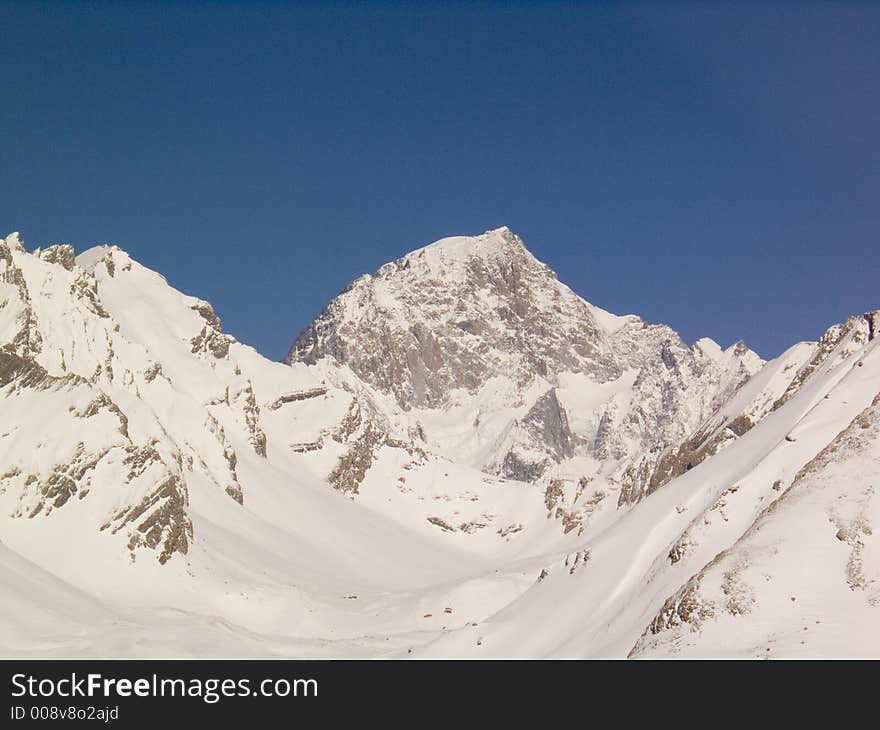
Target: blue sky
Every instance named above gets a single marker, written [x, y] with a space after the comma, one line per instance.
[712, 166]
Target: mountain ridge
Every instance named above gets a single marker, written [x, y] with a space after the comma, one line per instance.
[156, 473]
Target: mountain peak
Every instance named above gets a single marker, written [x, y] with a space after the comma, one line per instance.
[453, 315]
[111, 256]
[454, 251]
[14, 242]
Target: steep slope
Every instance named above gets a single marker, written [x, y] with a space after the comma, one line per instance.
[804, 580]
[453, 315]
[768, 390]
[477, 347]
[635, 572]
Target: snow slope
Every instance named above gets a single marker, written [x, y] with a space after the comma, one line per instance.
[804, 579]
[600, 606]
[167, 491]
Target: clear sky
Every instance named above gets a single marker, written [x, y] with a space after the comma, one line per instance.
[712, 166]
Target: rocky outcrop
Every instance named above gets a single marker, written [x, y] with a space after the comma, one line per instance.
[350, 470]
[26, 341]
[676, 415]
[297, 396]
[159, 522]
[256, 435]
[61, 254]
[838, 341]
[211, 339]
[547, 423]
[65, 481]
[63, 356]
[542, 437]
[206, 312]
[104, 402]
[24, 371]
[85, 288]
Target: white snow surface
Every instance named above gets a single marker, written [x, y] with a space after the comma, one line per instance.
[167, 491]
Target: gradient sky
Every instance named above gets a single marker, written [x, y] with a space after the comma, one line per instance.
[715, 167]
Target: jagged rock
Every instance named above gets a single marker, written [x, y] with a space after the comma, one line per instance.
[160, 522]
[350, 423]
[541, 438]
[607, 443]
[256, 435]
[61, 254]
[210, 340]
[522, 469]
[351, 468]
[552, 494]
[719, 431]
[103, 401]
[85, 288]
[153, 372]
[297, 396]
[307, 446]
[686, 607]
[206, 312]
[25, 371]
[441, 523]
[490, 350]
[140, 458]
[839, 340]
[411, 448]
[65, 481]
[547, 423]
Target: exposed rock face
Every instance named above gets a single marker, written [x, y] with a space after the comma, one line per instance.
[65, 481]
[352, 467]
[256, 435]
[211, 338]
[61, 254]
[541, 437]
[838, 341]
[730, 418]
[26, 339]
[23, 371]
[160, 522]
[297, 396]
[453, 315]
[464, 316]
[433, 331]
[546, 422]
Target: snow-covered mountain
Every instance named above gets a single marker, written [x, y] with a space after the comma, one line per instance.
[477, 347]
[450, 448]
